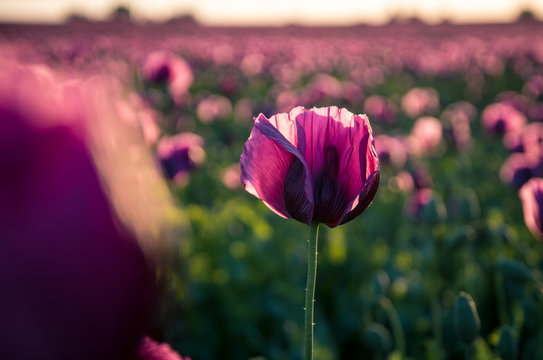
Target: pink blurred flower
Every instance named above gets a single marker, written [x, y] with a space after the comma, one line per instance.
[527, 139]
[165, 67]
[499, 119]
[533, 87]
[456, 119]
[380, 108]
[321, 87]
[391, 150]
[420, 101]
[315, 165]
[243, 110]
[403, 182]
[149, 349]
[180, 154]
[421, 177]
[252, 64]
[351, 93]
[518, 101]
[213, 108]
[417, 201]
[231, 176]
[531, 195]
[425, 136]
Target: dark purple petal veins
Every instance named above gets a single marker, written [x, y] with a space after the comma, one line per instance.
[296, 202]
[330, 199]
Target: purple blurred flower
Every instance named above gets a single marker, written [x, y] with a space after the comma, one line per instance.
[518, 101]
[165, 67]
[391, 150]
[380, 108]
[422, 178]
[213, 107]
[149, 349]
[499, 119]
[426, 205]
[75, 283]
[420, 101]
[316, 165]
[531, 195]
[518, 168]
[456, 119]
[180, 154]
[533, 87]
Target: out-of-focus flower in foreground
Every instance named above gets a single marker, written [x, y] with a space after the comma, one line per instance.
[316, 166]
[531, 195]
[77, 224]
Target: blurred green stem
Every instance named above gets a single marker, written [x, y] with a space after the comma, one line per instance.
[395, 323]
[435, 284]
[310, 289]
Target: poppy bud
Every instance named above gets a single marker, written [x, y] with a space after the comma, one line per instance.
[507, 345]
[466, 319]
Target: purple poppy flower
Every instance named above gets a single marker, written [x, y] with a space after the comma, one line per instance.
[149, 349]
[499, 118]
[531, 195]
[180, 154]
[316, 165]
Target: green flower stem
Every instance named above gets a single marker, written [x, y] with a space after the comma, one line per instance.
[395, 323]
[310, 289]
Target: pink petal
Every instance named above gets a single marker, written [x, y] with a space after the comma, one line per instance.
[266, 160]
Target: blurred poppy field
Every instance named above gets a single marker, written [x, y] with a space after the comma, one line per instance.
[446, 263]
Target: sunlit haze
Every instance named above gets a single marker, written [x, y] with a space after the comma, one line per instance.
[278, 12]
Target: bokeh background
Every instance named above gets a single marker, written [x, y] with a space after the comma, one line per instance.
[453, 90]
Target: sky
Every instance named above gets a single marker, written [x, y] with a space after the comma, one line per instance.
[274, 12]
